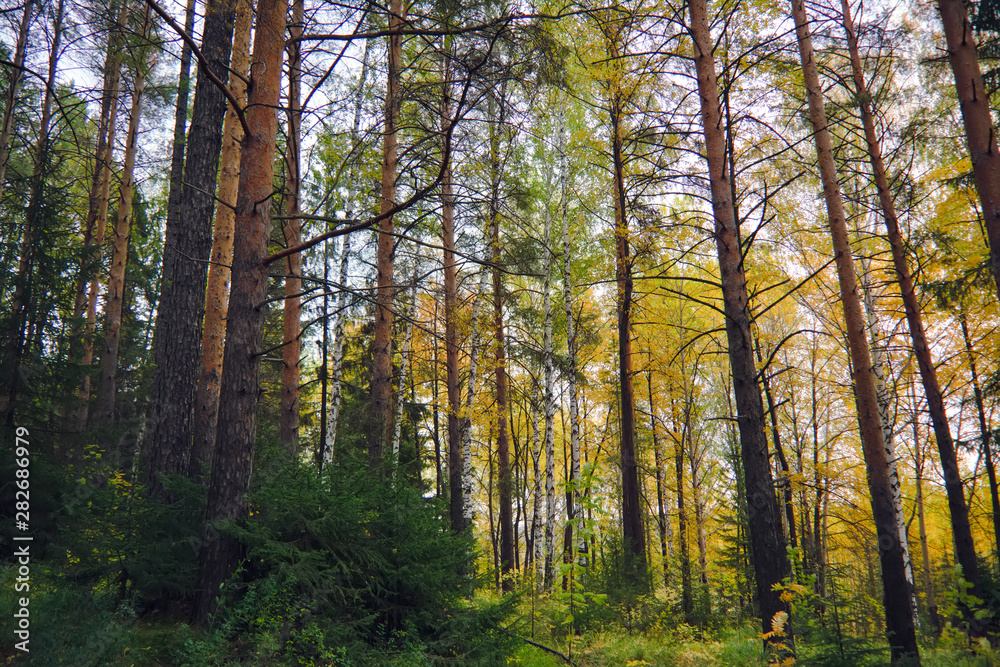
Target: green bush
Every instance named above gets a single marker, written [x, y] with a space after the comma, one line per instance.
[350, 568]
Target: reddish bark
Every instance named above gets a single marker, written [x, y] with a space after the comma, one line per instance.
[233, 454]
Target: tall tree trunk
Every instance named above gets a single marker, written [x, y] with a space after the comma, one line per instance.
[984, 428]
[380, 431]
[123, 229]
[97, 215]
[470, 394]
[21, 301]
[206, 406]
[634, 534]
[964, 546]
[896, 589]
[537, 521]
[922, 525]
[785, 477]
[680, 437]
[453, 383]
[505, 481]
[233, 454]
[980, 135]
[343, 292]
[397, 424]
[13, 84]
[549, 393]
[288, 421]
[770, 560]
[573, 497]
[663, 521]
[186, 249]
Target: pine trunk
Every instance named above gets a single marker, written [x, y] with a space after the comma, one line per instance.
[206, 406]
[381, 391]
[97, 219]
[980, 135]
[186, 249]
[288, 420]
[965, 550]
[233, 454]
[123, 230]
[896, 589]
[633, 533]
[770, 561]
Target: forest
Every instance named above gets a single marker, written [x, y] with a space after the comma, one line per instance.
[429, 332]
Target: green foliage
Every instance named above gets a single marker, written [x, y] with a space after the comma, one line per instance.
[349, 568]
[627, 582]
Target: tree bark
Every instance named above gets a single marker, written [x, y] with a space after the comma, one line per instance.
[663, 521]
[233, 454]
[380, 431]
[453, 383]
[980, 136]
[573, 497]
[470, 394]
[896, 589]
[288, 421]
[549, 394]
[770, 560]
[505, 482]
[633, 531]
[186, 252]
[921, 523]
[123, 230]
[404, 364]
[97, 217]
[206, 406]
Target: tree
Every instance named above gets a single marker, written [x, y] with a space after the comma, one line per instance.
[896, 591]
[21, 301]
[769, 559]
[965, 550]
[186, 248]
[381, 387]
[233, 454]
[288, 427]
[123, 229]
[980, 136]
[206, 406]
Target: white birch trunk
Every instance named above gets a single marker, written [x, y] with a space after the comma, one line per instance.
[470, 395]
[345, 251]
[879, 363]
[537, 532]
[574, 407]
[550, 403]
[397, 424]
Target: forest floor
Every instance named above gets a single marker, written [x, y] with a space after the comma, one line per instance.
[732, 648]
